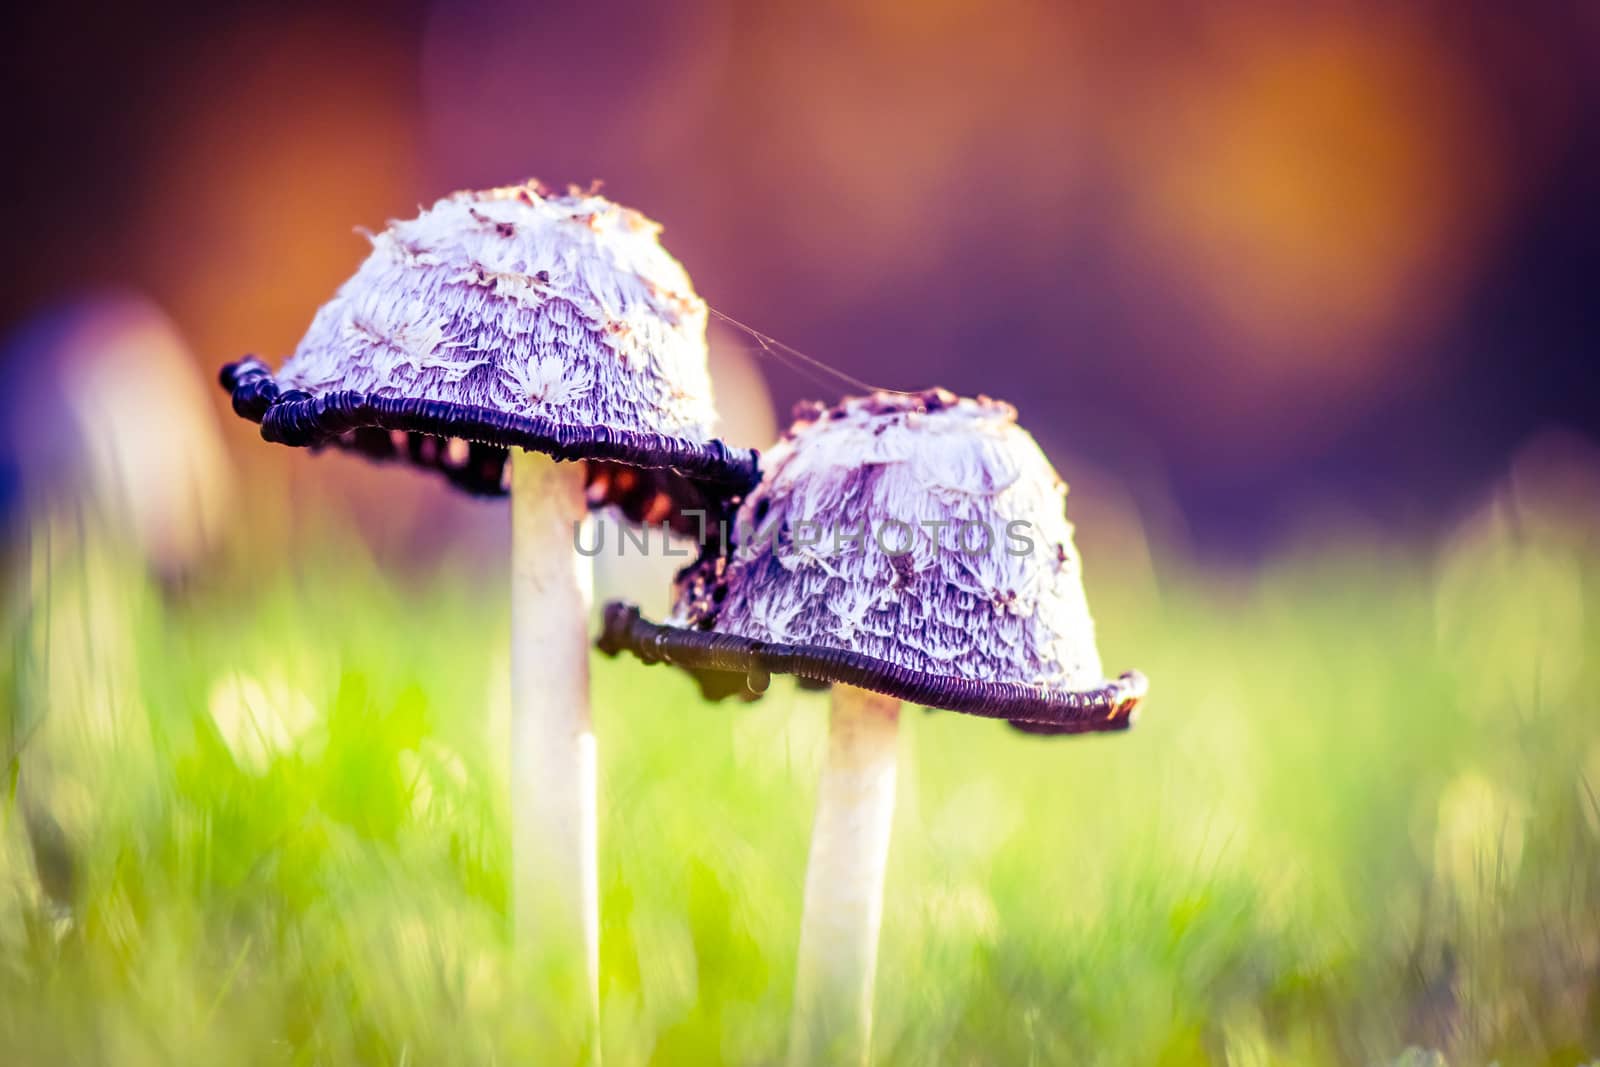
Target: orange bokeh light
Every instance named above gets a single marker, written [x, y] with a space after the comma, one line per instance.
[1316, 188]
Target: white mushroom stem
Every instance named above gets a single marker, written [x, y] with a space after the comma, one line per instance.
[832, 1020]
[556, 889]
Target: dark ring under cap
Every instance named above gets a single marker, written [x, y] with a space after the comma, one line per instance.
[359, 422]
[293, 417]
[724, 662]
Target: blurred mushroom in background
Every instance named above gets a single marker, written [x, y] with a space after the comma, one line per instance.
[111, 455]
[105, 412]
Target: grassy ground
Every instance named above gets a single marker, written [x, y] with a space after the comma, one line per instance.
[260, 820]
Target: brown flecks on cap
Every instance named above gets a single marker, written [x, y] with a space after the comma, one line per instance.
[922, 402]
[807, 411]
[486, 300]
[910, 469]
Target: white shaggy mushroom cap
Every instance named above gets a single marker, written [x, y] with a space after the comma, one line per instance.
[561, 307]
[994, 594]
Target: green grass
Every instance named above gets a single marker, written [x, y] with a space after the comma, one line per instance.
[261, 820]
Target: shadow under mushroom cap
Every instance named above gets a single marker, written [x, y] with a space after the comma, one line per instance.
[994, 625]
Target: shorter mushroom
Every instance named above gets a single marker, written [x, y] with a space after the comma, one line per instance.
[901, 547]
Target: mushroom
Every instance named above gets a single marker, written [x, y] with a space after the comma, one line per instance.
[548, 329]
[104, 411]
[900, 547]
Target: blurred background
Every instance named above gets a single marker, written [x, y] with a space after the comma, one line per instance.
[1250, 262]
[1299, 298]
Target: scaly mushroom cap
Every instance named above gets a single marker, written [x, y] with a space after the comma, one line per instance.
[964, 590]
[512, 318]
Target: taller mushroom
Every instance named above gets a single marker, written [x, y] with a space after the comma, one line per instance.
[900, 547]
[547, 329]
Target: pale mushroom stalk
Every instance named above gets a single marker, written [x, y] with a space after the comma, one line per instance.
[985, 628]
[519, 326]
[553, 779]
[843, 910]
